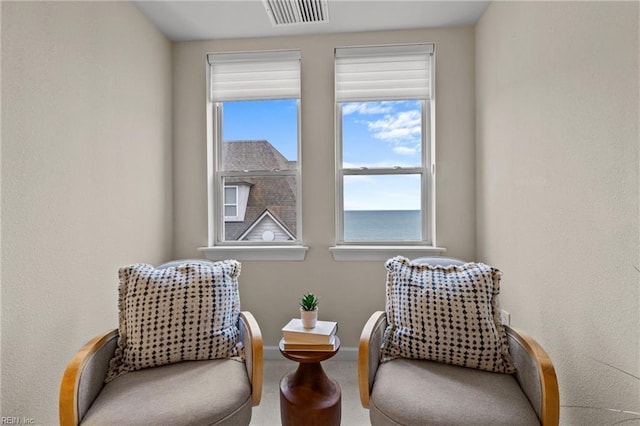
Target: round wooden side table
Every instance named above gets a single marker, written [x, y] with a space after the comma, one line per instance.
[308, 397]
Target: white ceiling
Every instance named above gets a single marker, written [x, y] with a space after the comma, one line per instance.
[223, 19]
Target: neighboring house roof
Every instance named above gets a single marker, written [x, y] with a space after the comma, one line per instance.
[276, 195]
[254, 155]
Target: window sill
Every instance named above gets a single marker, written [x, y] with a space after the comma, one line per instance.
[286, 253]
[381, 253]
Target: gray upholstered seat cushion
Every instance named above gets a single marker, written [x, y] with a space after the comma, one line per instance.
[417, 392]
[209, 392]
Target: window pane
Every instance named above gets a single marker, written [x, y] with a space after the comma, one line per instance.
[230, 211]
[382, 208]
[270, 209]
[229, 194]
[382, 134]
[260, 135]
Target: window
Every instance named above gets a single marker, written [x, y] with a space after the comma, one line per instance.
[230, 202]
[254, 167]
[384, 138]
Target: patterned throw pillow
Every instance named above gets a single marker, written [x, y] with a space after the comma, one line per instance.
[447, 314]
[188, 312]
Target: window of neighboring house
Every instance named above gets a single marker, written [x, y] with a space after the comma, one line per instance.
[230, 203]
[254, 173]
[385, 145]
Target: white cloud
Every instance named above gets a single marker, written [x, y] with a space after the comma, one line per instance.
[385, 164]
[367, 108]
[397, 192]
[397, 123]
[363, 179]
[405, 150]
[382, 199]
[402, 126]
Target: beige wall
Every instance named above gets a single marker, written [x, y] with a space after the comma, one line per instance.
[86, 181]
[349, 291]
[557, 189]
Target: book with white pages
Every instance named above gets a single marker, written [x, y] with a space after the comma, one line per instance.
[322, 333]
[295, 346]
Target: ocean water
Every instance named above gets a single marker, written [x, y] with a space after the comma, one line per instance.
[382, 225]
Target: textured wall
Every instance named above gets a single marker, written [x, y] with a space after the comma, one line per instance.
[86, 181]
[350, 291]
[557, 189]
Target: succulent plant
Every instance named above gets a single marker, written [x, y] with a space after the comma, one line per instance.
[309, 302]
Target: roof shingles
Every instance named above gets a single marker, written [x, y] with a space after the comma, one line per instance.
[277, 194]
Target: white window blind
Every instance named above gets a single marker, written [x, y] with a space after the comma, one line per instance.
[254, 75]
[383, 72]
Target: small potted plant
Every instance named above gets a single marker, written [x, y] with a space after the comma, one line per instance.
[309, 310]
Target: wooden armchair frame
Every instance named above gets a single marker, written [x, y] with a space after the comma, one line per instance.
[69, 398]
[544, 376]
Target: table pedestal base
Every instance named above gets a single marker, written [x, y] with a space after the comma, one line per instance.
[309, 398]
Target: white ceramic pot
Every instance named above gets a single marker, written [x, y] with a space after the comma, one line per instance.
[309, 318]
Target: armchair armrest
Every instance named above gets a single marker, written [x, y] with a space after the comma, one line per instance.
[84, 377]
[253, 350]
[536, 375]
[369, 354]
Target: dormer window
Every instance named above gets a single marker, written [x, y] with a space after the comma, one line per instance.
[235, 202]
[230, 202]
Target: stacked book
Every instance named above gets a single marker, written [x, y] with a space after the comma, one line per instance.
[320, 338]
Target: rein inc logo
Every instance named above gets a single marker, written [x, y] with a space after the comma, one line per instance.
[14, 420]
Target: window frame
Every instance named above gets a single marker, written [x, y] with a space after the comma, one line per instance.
[219, 185]
[427, 179]
[382, 250]
[218, 248]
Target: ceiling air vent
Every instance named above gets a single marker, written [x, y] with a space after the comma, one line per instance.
[291, 12]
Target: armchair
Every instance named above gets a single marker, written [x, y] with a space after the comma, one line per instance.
[202, 392]
[419, 392]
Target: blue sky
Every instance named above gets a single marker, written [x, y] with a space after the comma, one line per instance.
[274, 121]
[381, 134]
[375, 134]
